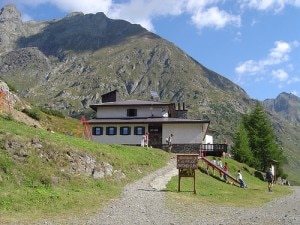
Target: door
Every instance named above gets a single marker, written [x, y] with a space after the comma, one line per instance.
[155, 135]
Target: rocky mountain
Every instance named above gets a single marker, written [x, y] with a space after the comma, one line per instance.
[66, 64]
[286, 106]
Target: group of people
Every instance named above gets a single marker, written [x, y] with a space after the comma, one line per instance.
[218, 163]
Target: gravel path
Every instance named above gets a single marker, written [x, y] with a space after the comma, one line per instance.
[143, 203]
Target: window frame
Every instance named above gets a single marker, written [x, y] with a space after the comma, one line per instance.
[108, 131]
[131, 112]
[124, 128]
[137, 128]
[94, 131]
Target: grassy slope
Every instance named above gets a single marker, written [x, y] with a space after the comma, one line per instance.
[26, 192]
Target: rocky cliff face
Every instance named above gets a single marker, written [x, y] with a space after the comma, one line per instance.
[286, 106]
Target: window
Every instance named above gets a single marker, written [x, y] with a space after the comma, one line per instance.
[97, 131]
[139, 130]
[111, 130]
[125, 131]
[131, 112]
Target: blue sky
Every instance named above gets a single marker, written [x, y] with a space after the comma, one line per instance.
[254, 43]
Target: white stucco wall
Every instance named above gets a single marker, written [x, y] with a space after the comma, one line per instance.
[119, 112]
[184, 133]
[208, 139]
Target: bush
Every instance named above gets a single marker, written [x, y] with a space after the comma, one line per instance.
[53, 112]
[33, 113]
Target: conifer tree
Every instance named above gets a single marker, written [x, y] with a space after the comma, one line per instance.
[261, 139]
[241, 150]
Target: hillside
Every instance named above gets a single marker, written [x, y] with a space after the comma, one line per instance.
[66, 64]
[285, 113]
[50, 174]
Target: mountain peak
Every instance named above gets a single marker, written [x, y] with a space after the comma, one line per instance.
[285, 104]
[9, 13]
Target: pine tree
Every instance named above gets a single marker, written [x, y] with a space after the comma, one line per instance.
[241, 150]
[261, 139]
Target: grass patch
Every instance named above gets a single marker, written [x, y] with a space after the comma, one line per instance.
[212, 191]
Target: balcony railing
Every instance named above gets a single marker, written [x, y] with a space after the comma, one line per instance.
[213, 149]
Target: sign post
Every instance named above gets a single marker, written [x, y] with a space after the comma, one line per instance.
[186, 165]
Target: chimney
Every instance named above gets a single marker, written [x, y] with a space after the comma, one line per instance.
[181, 113]
[110, 96]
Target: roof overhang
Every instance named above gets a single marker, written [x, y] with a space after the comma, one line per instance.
[131, 103]
[146, 121]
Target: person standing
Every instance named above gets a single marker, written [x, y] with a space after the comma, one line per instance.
[269, 178]
[170, 143]
[145, 140]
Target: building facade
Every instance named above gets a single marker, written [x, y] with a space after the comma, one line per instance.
[126, 122]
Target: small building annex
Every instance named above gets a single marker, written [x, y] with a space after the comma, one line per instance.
[126, 122]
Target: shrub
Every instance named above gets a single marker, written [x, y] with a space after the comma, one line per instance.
[33, 113]
[53, 112]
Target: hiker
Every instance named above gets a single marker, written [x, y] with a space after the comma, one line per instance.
[169, 141]
[269, 178]
[240, 179]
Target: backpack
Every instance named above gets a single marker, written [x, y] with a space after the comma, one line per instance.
[269, 175]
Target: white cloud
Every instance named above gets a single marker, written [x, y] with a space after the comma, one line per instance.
[143, 12]
[277, 55]
[214, 17]
[280, 75]
[249, 66]
[275, 5]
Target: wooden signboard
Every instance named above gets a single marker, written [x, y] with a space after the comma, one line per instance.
[186, 165]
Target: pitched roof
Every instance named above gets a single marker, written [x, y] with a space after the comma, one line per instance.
[145, 120]
[130, 103]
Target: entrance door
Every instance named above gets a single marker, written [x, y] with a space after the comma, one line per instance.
[155, 135]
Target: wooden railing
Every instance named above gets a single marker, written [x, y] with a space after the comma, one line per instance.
[212, 149]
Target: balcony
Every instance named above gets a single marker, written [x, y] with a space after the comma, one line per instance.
[212, 149]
